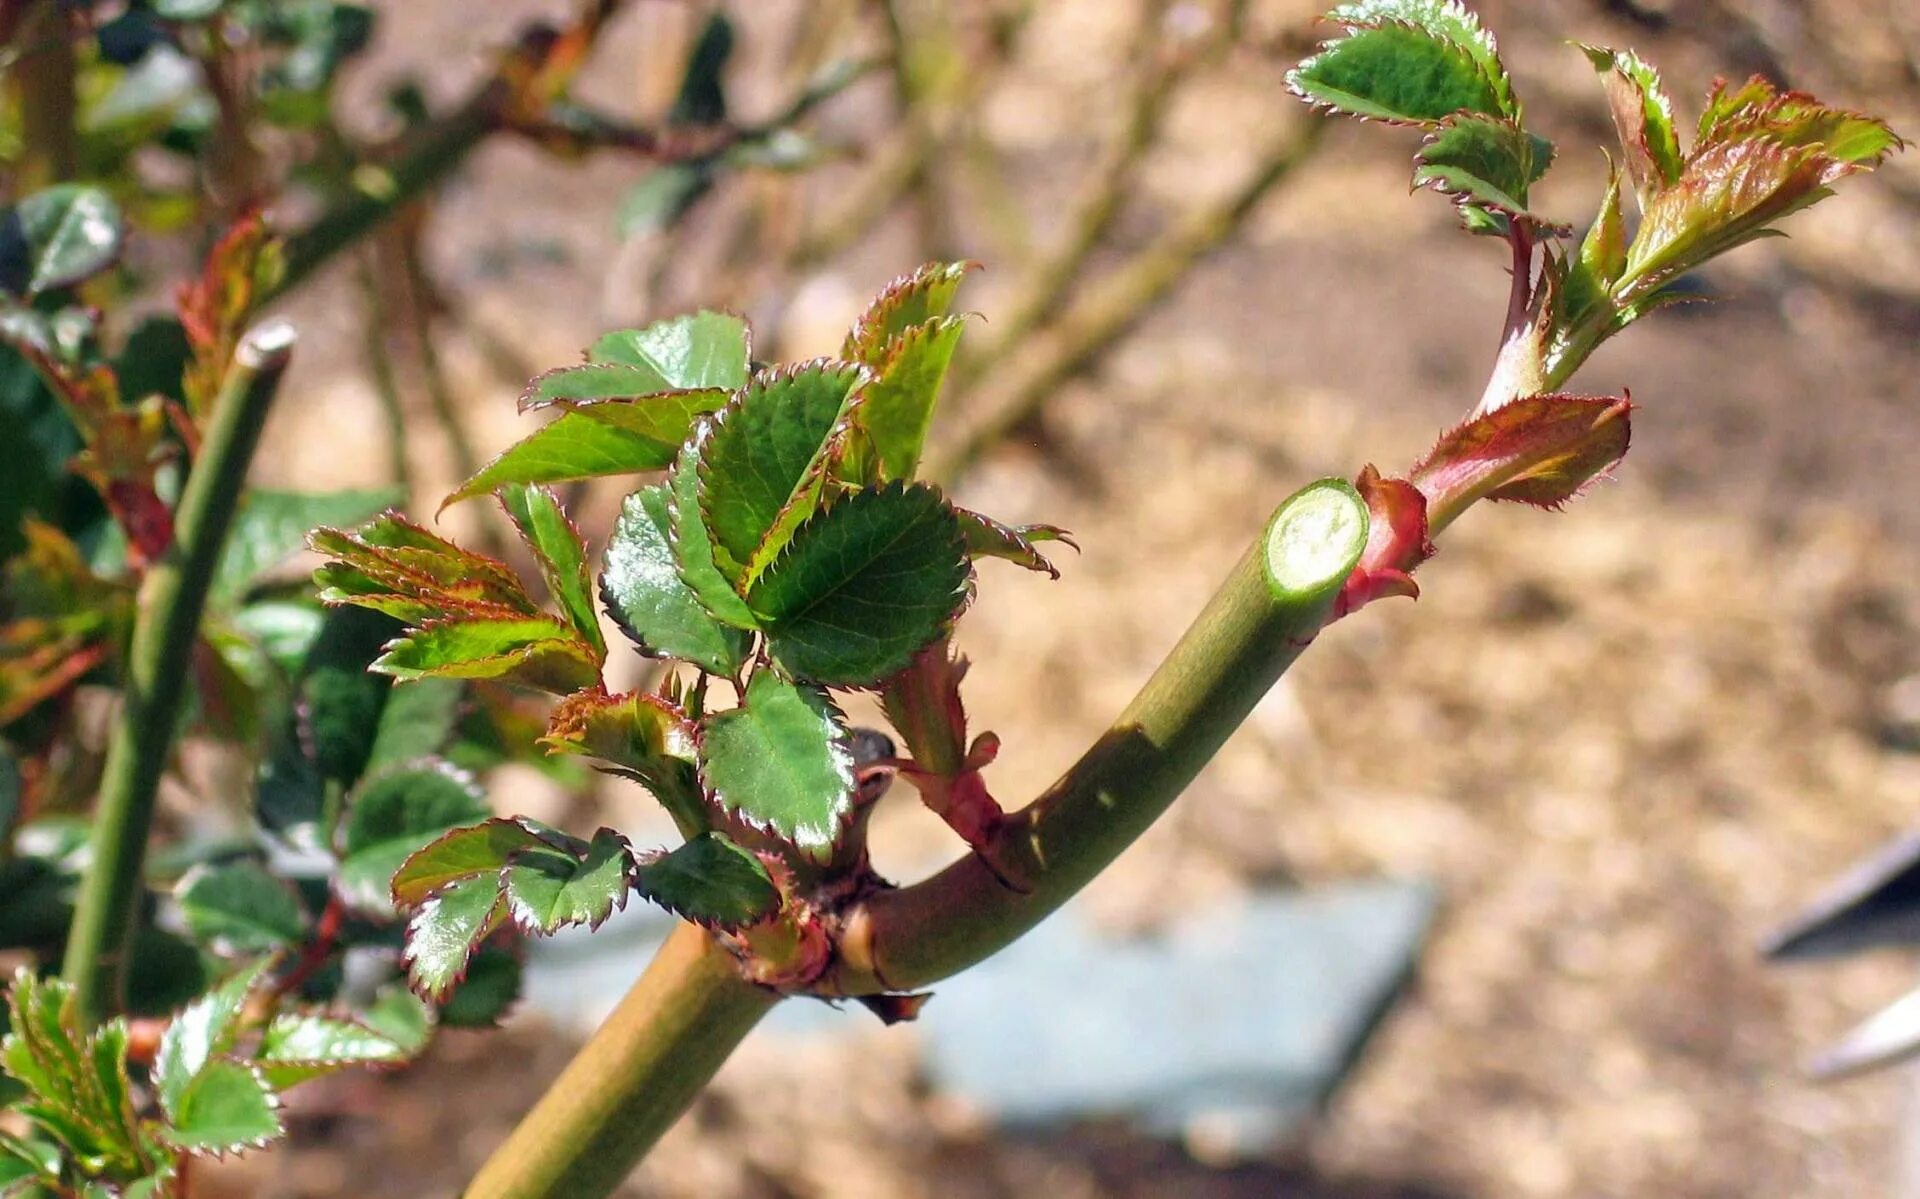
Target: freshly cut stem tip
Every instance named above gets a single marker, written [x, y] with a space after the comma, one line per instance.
[1311, 538]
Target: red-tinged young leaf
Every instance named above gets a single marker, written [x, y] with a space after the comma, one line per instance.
[779, 763]
[561, 554]
[243, 266]
[207, 1028]
[228, 1107]
[1410, 62]
[547, 890]
[642, 736]
[444, 932]
[644, 591]
[464, 853]
[914, 299]
[763, 463]
[988, 538]
[865, 584]
[1541, 450]
[711, 881]
[392, 815]
[699, 350]
[1643, 117]
[1761, 156]
[540, 652]
[407, 560]
[924, 706]
[897, 409]
[1396, 543]
[575, 446]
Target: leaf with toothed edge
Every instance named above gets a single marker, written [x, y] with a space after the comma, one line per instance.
[392, 815]
[1590, 275]
[1411, 62]
[780, 763]
[864, 584]
[561, 554]
[644, 736]
[228, 1106]
[461, 853]
[698, 350]
[1481, 160]
[206, 1028]
[692, 545]
[1642, 116]
[711, 881]
[391, 541]
[548, 890]
[78, 1089]
[1540, 450]
[988, 538]
[302, 1045]
[536, 652]
[764, 462]
[897, 409]
[576, 445]
[272, 526]
[913, 299]
[644, 592]
[442, 935]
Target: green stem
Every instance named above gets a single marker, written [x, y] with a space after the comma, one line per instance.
[164, 635]
[1268, 610]
[629, 1083]
[692, 1006]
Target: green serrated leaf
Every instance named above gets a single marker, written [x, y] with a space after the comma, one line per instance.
[575, 446]
[441, 936]
[271, 526]
[392, 815]
[780, 763]
[1593, 271]
[924, 296]
[205, 1029]
[699, 350]
[561, 554]
[898, 406]
[59, 236]
[240, 908]
[492, 986]
[548, 890]
[78, 1082]
[642, 588]
[462, 853]
[301, 1045]
[535, 652]
[711, 881]
[1413, 62]
[762, 466]
[1480, 160]
[692, 545]
[864, 584]
[226, 1108]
